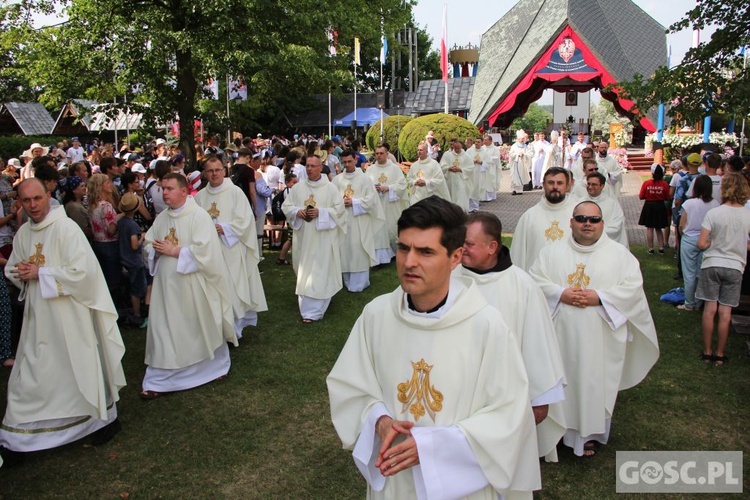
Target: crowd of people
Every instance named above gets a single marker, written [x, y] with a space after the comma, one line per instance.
[507, 372]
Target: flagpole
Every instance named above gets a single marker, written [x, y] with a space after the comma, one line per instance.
[383, 57]
[742, 132]
[229, 127]
[330, 132]
[444, 53]
[356, 62]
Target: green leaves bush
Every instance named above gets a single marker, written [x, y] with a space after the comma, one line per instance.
[444, 128]
[392, 127]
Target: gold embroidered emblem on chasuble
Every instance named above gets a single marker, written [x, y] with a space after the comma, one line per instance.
[310, 202]
[38, 258]
[417, 395]
[553, 232]
[382, 179]
[172, 237]
[579, 279]
[420, 175]
[349, 192]
[213, 211]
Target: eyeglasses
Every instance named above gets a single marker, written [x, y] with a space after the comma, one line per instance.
[594, 219]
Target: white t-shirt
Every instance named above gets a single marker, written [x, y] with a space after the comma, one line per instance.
[729, 229]
[716, 185]
[696, 210]
[75, 154]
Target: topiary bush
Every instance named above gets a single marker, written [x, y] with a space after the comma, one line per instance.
[392, 127]
[444, 128]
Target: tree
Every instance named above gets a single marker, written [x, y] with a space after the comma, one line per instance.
[711, 77]
[159, 53]
[534, 120]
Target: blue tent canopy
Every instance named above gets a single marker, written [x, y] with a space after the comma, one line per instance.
[365, 116]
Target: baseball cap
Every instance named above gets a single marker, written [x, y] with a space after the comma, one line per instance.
[159, 142]
[694, 159]
[138, 168]
[15, 162]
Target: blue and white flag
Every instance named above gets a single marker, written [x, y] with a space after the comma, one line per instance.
[383, 49]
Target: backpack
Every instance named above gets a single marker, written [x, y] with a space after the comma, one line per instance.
[278, 200]
[148, 199]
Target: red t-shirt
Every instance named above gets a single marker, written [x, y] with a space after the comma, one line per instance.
[652, 190]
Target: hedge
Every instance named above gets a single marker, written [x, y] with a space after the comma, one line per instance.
[444, 128]
[13, 145]
[392, 127]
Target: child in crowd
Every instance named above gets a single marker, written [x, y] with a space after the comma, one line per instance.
[131, 256]
[654, 214]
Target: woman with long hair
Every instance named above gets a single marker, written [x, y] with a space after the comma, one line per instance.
[693, 212]
[75, 190]
[104, 230]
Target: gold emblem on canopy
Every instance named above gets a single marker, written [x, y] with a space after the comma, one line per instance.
[579, 279]
[554, 232]
[38, 258]
[417, 395]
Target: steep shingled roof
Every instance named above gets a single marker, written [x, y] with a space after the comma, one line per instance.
[624, 38]
[28, 118]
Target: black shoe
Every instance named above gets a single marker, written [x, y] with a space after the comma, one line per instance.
[106, 433]
[11, 458]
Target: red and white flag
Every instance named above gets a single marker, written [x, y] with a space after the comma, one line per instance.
[444, 44]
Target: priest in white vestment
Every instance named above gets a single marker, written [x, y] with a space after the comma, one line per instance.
[235, 224]
[552, 153]
[540, 148]
[190, 320]
[430, 390]
[580, 189]
[426, 178]
[524, 308]
[494, 169]
[390, 183]
[607, 338]
[520, 156]
[614, 218]
[315, 210]
[67, 373]
[458, 169]
[545, 222]
[364, 219]
[610, 168]
[481, 166]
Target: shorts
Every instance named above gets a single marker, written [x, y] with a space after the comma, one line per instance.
[137, 278]
[719, 284]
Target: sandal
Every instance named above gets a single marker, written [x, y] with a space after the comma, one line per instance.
[283, 262]
[149, 395]
[591, 447]
[721, 360]
[707, 358]
[307, 321]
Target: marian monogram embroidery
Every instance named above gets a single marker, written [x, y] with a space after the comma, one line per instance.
[213, 211]
[172, 238]
[38, 258]
[579, 279]
[418, 395]
[554, 232]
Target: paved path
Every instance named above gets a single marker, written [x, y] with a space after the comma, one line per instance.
[509, 208]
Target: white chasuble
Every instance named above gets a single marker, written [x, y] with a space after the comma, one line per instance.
[460, 183]
[541, 225]
[524, 308]
[614, 218]
[364, 219]
[481, 166]
[604, 348]
[460, 374]
[315, 248]
[68, 359]
[394, 201]
[191, 310]
[494, 168]
[228, 207]
[428, 170]
[520, 156]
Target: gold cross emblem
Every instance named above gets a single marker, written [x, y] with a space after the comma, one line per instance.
[418, 395]
[213, 211]
[310, 202]
[554, 232]
[172, 238]
[349, 192]
[382, 179]
[38, 258]
[579, 279]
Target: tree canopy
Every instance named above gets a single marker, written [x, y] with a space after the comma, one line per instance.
[711, 78]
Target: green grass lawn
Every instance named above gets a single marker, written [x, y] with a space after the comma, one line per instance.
[265, 431]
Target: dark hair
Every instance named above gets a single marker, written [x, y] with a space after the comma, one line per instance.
[490, 222]
[588, 151]
[45, 172]
[106, 163]
[289, 177]
[735, 163]
[589, 161]
[181, 179]
[40, 160]
[437, 212]
[162, 168]
[556, 171]
[384, 145]
[597, 175]
[127, 178]
[658, 174]
[245, 152]
[348, 152]
[713, 160]
[703, 188]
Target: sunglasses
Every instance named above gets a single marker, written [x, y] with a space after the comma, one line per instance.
[594, 219]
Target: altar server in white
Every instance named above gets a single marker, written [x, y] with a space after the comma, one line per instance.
[425, 177]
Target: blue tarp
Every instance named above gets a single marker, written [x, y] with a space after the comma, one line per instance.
[365, 116]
